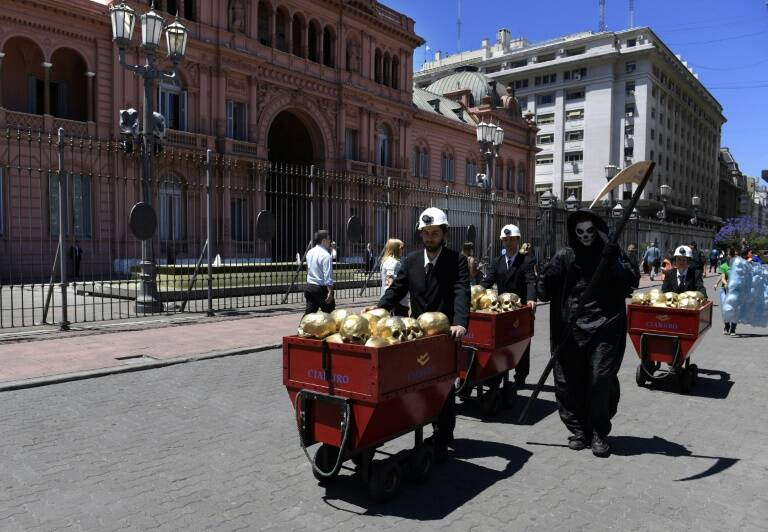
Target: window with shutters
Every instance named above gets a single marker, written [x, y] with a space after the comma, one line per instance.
[237, 120]
[173, 105]
[171, 210]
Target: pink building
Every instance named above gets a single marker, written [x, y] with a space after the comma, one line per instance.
[295, 81]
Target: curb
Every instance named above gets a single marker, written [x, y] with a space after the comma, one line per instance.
[115, 370]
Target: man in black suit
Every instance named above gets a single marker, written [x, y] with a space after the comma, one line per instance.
[513, 272]
[437, 280]
[684, 276]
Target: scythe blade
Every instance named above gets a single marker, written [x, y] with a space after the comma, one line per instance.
[631, 174]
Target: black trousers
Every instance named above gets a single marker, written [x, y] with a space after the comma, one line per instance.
[586, 382]
[523, 367]
[315, 296]
[446, 421]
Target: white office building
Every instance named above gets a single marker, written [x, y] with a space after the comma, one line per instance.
[609, 98]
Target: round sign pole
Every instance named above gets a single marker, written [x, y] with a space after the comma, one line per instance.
[143, 224]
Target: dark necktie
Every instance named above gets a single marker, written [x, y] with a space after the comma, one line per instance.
[428, 274]
[509, 263]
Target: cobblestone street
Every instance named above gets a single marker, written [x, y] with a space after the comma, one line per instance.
[211, 445]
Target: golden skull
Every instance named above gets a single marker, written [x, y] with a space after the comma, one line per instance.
[654, 295]
[316, 325]
[433, 323]
[412, 328]
[374, 317]
[338, 316]
[376, 341]
[488, 301]
[354, 329]
[475, 293]
[335, 339]
[693, 294]
[687, 302]
[509, 301]
[394, 328]
[638, 298]
[670, 299]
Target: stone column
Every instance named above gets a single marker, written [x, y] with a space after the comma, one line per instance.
[47, 93]
[320, 50]
[289, 34]
[90, 76]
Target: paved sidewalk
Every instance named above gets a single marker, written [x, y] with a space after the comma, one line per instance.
[71, 355]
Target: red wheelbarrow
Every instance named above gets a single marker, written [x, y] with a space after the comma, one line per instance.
[667, 336]
[497, 343]
[352, 399]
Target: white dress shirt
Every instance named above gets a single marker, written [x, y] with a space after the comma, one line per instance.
[319, 267]
[681, 276]
[433, 261]
[510, 260]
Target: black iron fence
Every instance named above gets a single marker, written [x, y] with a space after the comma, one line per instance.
[262, 216]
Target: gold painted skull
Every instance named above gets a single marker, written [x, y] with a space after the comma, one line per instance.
[412, 328]
[475, 293]
[338, 316]
[433, 323]
[488, 301]
[376, 341]
[670, 299]
[316, 325]
[509, 301]
[335, 339]
[639, 298]
[687, 302]
[393, 328]
[354, 330]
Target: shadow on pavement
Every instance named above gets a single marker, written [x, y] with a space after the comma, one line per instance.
[539, 410]
[452, 484]
[711, 384]
[633, 446]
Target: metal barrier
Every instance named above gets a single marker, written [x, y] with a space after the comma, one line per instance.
[229, 231]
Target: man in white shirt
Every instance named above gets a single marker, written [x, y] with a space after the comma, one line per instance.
[319, 290]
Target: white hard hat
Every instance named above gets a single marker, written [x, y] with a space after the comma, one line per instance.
[509, 230]
[432, 216]
[683, 251]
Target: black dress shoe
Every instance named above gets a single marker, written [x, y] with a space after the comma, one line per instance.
[577, 443]
[600, 447]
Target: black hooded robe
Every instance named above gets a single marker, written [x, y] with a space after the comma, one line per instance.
[586, 382]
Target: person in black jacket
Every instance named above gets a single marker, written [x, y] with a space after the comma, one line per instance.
[437, 280]
[684, 276]
[586, 383]
[513, 272]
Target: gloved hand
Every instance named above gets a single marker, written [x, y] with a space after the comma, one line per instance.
[611, 251]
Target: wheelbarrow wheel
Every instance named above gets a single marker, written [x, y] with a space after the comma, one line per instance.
[420, 463]
[325, 459]
[686, 380]
[385, 480]
[640, 375]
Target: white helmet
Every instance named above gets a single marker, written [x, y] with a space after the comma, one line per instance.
[432, 216]
[683, 251]
[509, 230]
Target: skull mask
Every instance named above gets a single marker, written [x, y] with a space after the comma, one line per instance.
[586, 232]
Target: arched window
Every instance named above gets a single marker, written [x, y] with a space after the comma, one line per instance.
[377, 60]
[313, 44]
[470, 172]
[520, 178]
[415, 162]
[447, 168]
[395, 72]
[510, 176]
[298, 35]
[383, 146]
[264, 15]
[329, 47]
[387, 69]
[282, 20]
[22, 82]
[171, 222]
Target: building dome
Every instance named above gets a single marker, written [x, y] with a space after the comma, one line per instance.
[478, 83]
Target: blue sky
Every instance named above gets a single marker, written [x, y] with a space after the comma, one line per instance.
[725, 41]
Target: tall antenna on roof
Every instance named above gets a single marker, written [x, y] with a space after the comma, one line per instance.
[601, 24]
[458, 25]
[631, 14]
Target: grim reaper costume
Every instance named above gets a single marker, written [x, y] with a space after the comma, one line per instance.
[586, 386]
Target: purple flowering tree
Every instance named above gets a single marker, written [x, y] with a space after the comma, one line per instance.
[735, 231]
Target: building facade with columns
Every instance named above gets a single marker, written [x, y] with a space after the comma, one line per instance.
[327, 83]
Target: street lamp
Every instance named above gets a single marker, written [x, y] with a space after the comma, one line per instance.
[695, 202]
[490, 137]
[665, 191]
[635, 215]
[618, 210]
[610, 172]
[123, 19]
[572, 203]
[548, 202]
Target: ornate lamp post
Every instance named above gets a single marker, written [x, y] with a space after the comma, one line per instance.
[152, 26]
[695, 203]
[665, 191]
[548, 203]
[572, 203]
[490, 138]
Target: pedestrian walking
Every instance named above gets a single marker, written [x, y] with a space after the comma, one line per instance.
[75, 258]
[586, 383]
[334, 253]
[390, 267]
[475, 275]
[697, 259]
[714, 259]
[652, 259]
[729, 328]
[437, 280]
[370, 258]
[513, 272]
[319, 290]
[684, 277]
